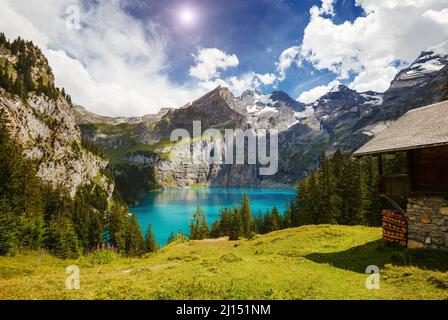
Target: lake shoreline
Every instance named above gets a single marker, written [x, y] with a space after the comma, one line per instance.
[171, 209]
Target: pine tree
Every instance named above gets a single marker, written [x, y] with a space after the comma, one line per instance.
[135, 243]
[198, 226]
[236, 225]
[372, 200]
[95, 229]
[267, 223]
[246, 216]
[215, 231]
[20, 195]
[171, 237]
[150, 239]
[286, 219]
[9, 235]
[276, 220]
[117, 227]
[225, 222]
[60, 238]
[2, 38]
[256, 225]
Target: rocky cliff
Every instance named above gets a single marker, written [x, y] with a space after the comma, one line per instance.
[43, 121]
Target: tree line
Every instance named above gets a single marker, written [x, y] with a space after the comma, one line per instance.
[238, 222]
[343, 190]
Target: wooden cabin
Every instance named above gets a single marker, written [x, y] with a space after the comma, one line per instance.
[422, 134]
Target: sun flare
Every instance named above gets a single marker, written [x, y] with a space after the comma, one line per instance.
[187, 15]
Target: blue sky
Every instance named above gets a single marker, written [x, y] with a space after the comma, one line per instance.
[133, 57]
[257, 31]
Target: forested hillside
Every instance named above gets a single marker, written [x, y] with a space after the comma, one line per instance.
[56, 191]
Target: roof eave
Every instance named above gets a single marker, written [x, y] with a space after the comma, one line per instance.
[395, 150]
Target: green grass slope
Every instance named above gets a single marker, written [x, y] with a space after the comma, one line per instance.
[312, 262]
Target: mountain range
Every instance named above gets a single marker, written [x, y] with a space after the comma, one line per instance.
[57, 134]
[341, 119]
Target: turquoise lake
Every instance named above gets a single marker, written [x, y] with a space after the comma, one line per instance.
[172, 209]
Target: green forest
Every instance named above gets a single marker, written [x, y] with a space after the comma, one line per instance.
[34, 215]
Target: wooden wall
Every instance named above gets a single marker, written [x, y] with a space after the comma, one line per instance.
[429, 170]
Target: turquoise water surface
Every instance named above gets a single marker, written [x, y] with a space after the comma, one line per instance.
[172, 209]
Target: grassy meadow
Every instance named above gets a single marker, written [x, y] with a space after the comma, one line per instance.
[311, 262]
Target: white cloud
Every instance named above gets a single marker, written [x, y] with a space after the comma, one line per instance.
[287, 58]
[373, 80]
[327, 7]
[267, 79]
[317, 92]
[209, 61]
[238, 84]
[370, 46]
[114, 65]
[440, 17]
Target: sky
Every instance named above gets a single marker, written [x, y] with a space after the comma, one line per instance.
[130, 58]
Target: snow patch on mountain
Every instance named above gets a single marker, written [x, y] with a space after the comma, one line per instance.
[309, 111]
[432, 60]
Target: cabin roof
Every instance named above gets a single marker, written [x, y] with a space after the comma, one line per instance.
[419, 128]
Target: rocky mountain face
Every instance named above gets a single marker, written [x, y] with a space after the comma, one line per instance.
[422, 83]
[341, 119]
[83, 116]
[43, 121]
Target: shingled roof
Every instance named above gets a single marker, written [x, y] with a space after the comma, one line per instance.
[419, 128]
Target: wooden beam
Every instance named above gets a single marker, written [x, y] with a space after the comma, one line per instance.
[380, 165]
[380, 172]
[411, 163]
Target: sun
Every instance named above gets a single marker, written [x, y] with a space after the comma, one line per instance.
[187, 15]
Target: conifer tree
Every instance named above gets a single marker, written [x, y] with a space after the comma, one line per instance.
[9, 236]
[286, 218]
[60, 238]
[372, 200]
[246, 216]
[150, 239]
[236, 225]
[198, 226]
[256, 225]
[117, 227]
[135, 242]
[225, 222]
[276, 220]
[171, 237]
[215, 231]
[267, 223]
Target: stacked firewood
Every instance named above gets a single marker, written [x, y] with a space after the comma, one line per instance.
[395, 228]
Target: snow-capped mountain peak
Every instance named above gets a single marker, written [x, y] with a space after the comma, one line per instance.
[440, 50]
[431, 60]
[337, 88]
